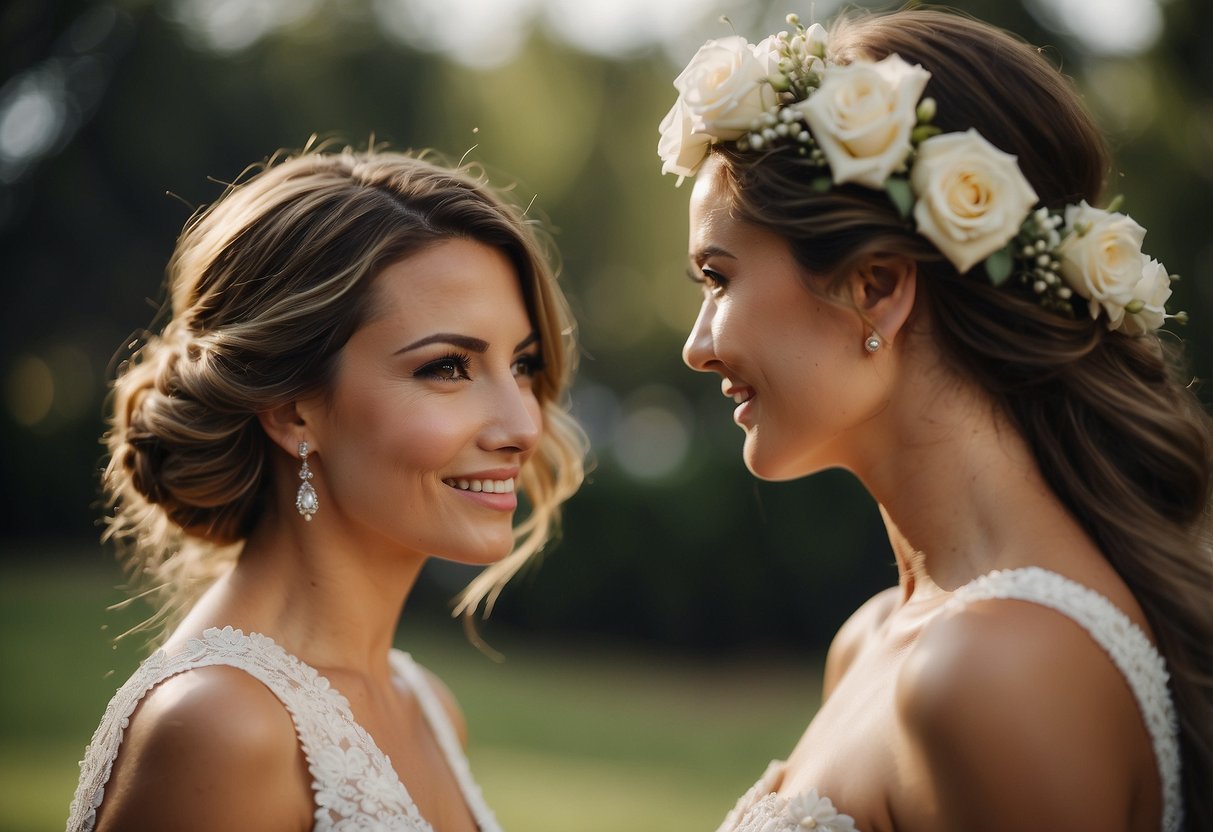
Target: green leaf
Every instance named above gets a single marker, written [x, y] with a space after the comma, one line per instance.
[999, 265]
[900, 194]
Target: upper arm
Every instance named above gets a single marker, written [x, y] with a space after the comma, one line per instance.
[449, 704]
[209, 749]
[852, 635]
[1013, 718]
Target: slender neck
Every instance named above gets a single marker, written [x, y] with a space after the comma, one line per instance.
[329, 596]
[959, 488]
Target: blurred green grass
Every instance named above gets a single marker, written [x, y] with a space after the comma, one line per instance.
[564, 735]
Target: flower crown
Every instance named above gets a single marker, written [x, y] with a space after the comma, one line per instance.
[867, 123]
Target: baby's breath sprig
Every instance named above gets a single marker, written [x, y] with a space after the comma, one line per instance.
[801, 58]
[1031, 257]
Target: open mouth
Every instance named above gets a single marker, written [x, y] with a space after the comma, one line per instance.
[485, 486]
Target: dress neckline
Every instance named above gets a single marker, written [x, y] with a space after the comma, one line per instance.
[404, 670]
[1127, 645]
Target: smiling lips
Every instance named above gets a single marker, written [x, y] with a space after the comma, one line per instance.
[740, 394]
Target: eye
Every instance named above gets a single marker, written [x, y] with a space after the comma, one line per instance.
[452, 367]
[715, 280]
[710, 279]
[528, 366]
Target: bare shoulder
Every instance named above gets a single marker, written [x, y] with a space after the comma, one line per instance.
[1013, 713]
[211, 748]
[449, 704]
[855, 632]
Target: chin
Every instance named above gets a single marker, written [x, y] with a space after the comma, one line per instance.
[483, 553]
[764, 468]
[771, 466]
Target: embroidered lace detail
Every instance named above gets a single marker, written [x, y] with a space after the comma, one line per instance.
[1131, 651]
[354, 784]
[762, 810]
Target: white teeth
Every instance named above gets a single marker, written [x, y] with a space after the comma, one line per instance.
[487, 486]
[741, 397]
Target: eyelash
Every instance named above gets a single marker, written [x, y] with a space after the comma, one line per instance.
[454, 367]
[711, 279]
[451, 367]
[530, 365]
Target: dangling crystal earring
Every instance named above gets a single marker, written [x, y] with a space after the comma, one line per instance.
[306, 502]
[873, 343]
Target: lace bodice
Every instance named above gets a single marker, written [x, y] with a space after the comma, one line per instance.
[354, 784]
[762, 810]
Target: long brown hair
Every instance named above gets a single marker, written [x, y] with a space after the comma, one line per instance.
[266, 286]
[1125, 446]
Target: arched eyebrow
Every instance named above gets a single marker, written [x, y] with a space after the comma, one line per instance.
[466, 342]
[704, 253]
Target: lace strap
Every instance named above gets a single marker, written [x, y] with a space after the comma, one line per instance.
[98, 761]
[1130, 650]
[352, 780]
[440, 723]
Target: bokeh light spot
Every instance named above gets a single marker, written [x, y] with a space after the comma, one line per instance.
[29, 390]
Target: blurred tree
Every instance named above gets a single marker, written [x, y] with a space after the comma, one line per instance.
[113, 115]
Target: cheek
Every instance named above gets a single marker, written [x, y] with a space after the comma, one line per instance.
[427, 439]
[408, 433]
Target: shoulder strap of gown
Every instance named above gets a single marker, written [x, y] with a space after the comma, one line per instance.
[341, 756]
[1130, 650]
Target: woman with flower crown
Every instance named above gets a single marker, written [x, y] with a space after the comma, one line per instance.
[366, 360]
[906, 274]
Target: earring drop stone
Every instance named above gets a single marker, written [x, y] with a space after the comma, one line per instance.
[306, 501]
[873, 343]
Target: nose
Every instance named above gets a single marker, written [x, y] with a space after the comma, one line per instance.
[515, 421]
[700, 349]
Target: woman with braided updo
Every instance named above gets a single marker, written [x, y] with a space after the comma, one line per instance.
[905, 274]
[367, 359]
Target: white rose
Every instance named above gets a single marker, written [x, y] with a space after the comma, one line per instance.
[1101, 258]
[972, 197]
[725, 88]
[1151, 292]
[862, 116]
[681, 150]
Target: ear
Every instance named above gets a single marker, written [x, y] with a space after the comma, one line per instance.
[884, 289]
[285, 426]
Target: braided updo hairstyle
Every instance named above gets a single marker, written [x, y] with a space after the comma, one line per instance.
[265, 288]
[1124, 445]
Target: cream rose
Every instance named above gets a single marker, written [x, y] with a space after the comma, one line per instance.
[972, 197]
[1101, 258]
[681, 150]
[1146, 311]
[862, 116]
[725, 88]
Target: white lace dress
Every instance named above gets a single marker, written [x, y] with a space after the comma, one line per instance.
[762, 810]
[353, 782]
